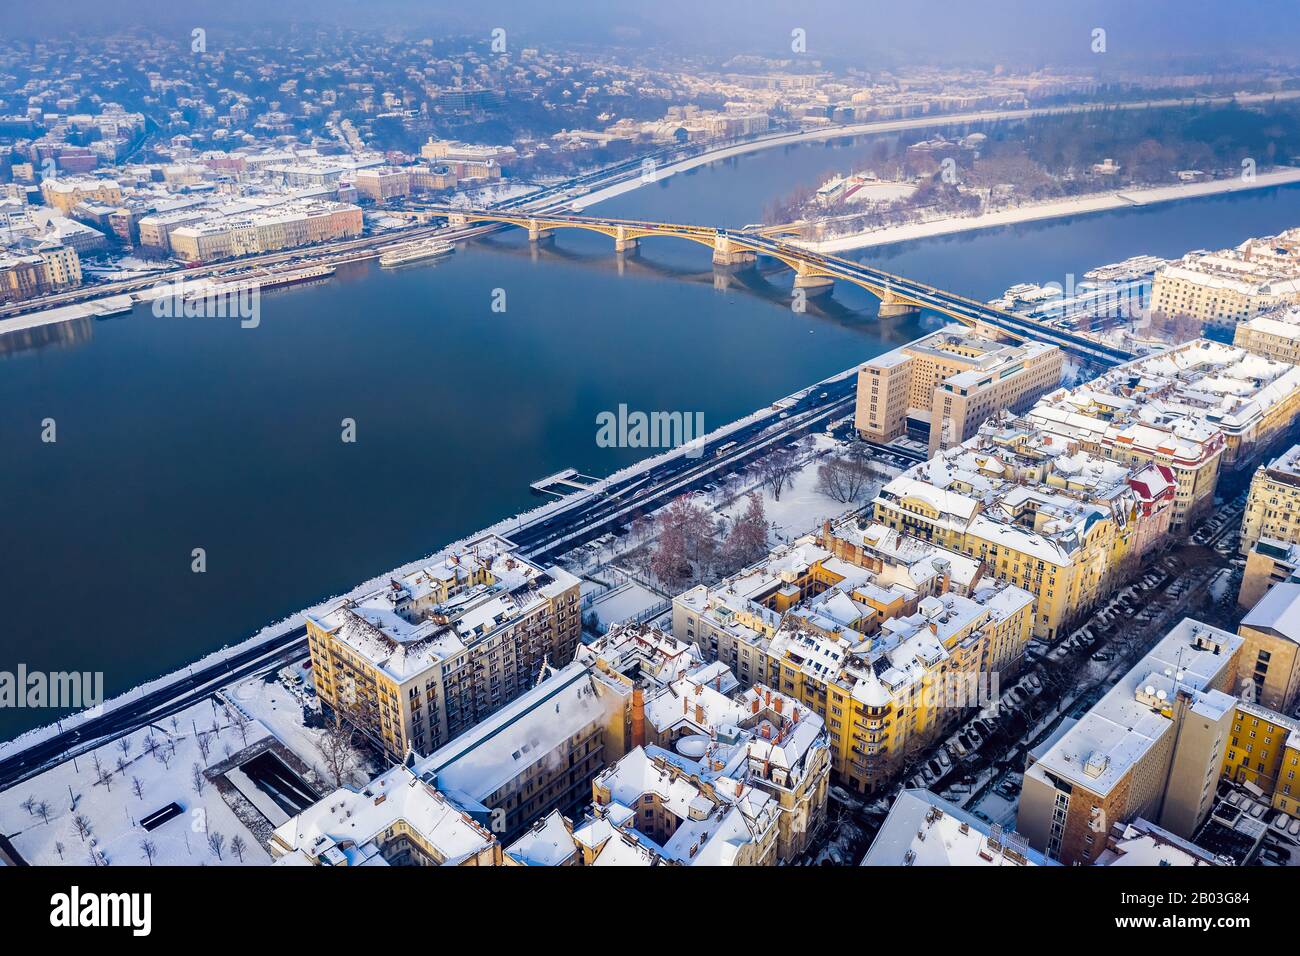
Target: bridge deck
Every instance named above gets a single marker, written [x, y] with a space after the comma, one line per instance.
[880, 283]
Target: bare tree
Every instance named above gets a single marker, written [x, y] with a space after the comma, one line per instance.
[238, 846]
[58, 848]
[777, 469]
[43, 811]
[747, 540]
[149, 849]
[82, 824]
[338, 748]
[216, 843]
[196, 777]
[846, 477]
[137, 787]
[29, 804]
[671, 562]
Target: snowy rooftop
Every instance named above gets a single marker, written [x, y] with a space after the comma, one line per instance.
[549, 842]
[1277, 611]
[713, 822]
[643, 651]
[923, 829]
[342, 828]
[527, 731]
[1142, 843]
[434, 613]
[1098, 751]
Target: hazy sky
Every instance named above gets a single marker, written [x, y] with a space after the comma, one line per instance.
[1017, 31]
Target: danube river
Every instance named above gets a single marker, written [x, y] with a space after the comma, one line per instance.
[176, 434]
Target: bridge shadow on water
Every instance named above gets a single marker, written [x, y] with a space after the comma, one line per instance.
[768, 280]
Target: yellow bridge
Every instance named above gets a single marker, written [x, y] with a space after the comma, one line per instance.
[815, 273]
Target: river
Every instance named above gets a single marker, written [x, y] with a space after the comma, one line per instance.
[176, 434]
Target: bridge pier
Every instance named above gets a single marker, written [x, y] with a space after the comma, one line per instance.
[536, 233]
[892, 305]
[623, 242]
[457, 220]
[725, 254]
[813, 284]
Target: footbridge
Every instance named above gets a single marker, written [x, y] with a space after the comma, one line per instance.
[815, 273]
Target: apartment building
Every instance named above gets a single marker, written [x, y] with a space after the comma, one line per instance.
[735, 620]
[1273, 504]
[1264, 751]
[32, 267]
[21, 276]
[1226, 287]
[382, 183]
[285, 226]
[1268, 563]
[424, 658]
[681, 704]
[397, 819]
[887, 640]
[155, 229]
[1036, 512]
[886, 695]
[1153, 747]
[1270, 660]
[942, 387]
[67, 192]
[1193, 409]
[1274, 334]
[538, 753]
[678, 816]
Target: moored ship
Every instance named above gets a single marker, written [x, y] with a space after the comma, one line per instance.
[416, 253]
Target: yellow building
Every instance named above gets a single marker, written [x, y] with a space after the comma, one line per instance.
[66, 193]
[818, 621]
[1185, 403]
[1230, 286]
[1274, 334]
[991, 500]
[942, 387]
[423, 659]
[1273, 505]
[285, 226]
[1265, 751]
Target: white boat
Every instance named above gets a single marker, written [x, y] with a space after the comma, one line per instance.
[416, 253]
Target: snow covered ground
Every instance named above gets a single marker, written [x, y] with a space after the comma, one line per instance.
[802, 507]
[1054, 209]
[112, 810]
[278, 708]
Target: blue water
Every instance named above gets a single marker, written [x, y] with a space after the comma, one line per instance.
[175, 434]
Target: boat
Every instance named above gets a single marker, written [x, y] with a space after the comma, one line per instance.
[416, 253]
[260, 282]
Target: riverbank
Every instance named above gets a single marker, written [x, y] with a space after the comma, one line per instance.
[894, 126]
[1055, 209]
